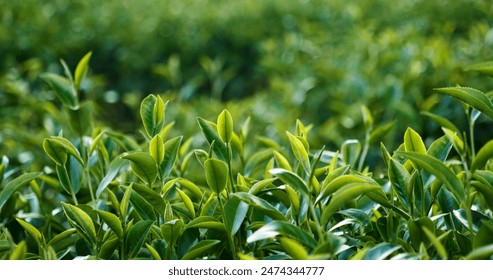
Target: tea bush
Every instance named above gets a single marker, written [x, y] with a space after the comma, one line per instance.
[230, 193]
[275, 61]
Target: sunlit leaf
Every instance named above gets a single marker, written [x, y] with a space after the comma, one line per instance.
[143, 165]
[472, 97]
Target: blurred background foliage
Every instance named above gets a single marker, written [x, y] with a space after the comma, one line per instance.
[272, 61]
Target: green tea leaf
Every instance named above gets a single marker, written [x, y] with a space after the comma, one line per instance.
[61, 237]
[341, 181]
[209, 129]
[109, 247]
[15, 185]
[112, 221]
[481, 253]
[115, 166]
[81, 119]
[344, 195]
[260, 185]
[216, 174]
[152, 114]
[34, 232]
[81, 221]
[64, 179]
[235, 212]
[286, 229]
[380, 132]
[156, 149]
[381, 251]
[81, 70]
[291, 179]
[201, 248]
[136, 237]
[299, 151]
[261, 205]
[143, 165]
[188, 202]
[437, 168]
[294, 249]
[413, 142]
[206, 222]
[150, 197]
[62, 88]
[225, 126]
[399, 179]
[281, 161]
[443, 122]
[171, 231]
[69, 147]
[350, 151]
[483, 155]
[172, 147]
[55, 151]
[125, 202]
[19, 253]
[472, 97]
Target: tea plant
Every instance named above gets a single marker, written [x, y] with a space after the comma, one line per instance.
[230, 194]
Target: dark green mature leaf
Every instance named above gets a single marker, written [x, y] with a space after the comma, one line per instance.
[209, 129]
[115, 166]
[150, 196]
[172, 147]
[437, 168]
[399, 179]
[276, 228]
[64, 179]
[81, 221]
[225, 126]
[235, 212]
[443, 122]
[136, 237]
[15, 185]
[261, 205]
[142, 207]
[216, 174]
[112, 221]
[62, 88]
[109, 247]
[61, 237]
[81, 70]
[381, 251]
[483, 155]
[344, 195]
[472, 97]
[143, 165]
[440, 148]
[55, 151]
[201, 248]
[171, 231]
[81, 119]
[291, 179]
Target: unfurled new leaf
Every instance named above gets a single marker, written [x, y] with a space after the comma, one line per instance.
[156, 149]
[216, 174]
[225, 126]
[81, 221]
[62, 88]
[81, 70]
